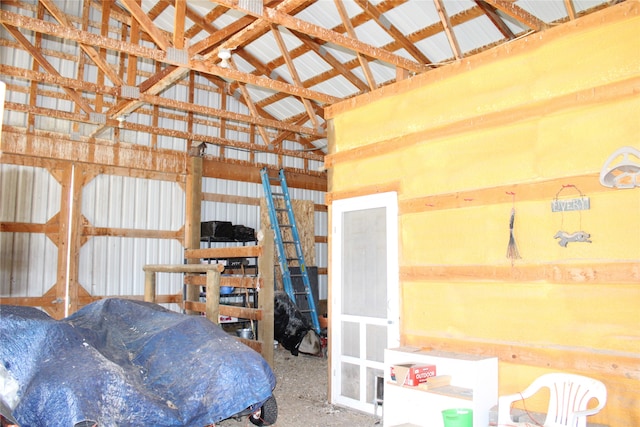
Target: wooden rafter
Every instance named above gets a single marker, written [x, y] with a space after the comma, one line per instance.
[276, 16]
[100, 62]
[259, 26]
[491, 14]
[79, 85]
[333, 61]
[39, 57]
[448, 29]
[201, 65]
[397, 35]
[203, 23]
[178, 23]
[571, 11]
[294, 74]
[252, 108]
[364, 64]
[519, 14]
[429, 31]
[158, 36]
[105, 15]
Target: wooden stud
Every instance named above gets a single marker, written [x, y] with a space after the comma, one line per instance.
[212, 310]
[150, 286]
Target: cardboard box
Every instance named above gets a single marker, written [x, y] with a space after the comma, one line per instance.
[412, 373]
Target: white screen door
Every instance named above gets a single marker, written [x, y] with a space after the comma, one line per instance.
[364, 295]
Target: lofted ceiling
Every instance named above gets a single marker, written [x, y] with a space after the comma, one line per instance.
[249, 78]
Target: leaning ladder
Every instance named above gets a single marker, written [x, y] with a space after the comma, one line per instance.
[303, 299]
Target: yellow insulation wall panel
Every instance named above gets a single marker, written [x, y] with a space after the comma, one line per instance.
[514, 127]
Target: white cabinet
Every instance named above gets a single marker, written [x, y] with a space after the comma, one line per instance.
[474, 385]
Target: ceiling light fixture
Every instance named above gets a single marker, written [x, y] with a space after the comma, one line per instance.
[121, 119]
[224, 55]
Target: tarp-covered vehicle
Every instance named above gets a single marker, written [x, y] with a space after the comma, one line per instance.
[120, 362]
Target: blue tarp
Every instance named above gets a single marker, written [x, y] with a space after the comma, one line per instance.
[128, 363]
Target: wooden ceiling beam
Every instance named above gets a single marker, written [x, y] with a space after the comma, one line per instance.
[258, 26]
[203, 23]
[276, 16]
[168, 77]
[571, 11]
[491, 14]
[40, 59]
[430, 31]
[519, 14]
[179, 23]
[100, 62]
[158, 8]
[375, 14]
[294, 74]
[263, 82]
[79, 36]
[81, 85]
[208, 44]
[252, 108]
[448, 29]
[332, 61]
[132, 60]
[147, 24]
[364, 64]
[305, 143]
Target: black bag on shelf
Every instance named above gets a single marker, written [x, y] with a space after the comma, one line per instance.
[216, 229]
[243, 234]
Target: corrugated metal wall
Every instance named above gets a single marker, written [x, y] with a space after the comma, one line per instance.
[28, 261]
[111, 265]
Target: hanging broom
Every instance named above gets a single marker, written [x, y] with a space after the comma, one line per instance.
[512, 248]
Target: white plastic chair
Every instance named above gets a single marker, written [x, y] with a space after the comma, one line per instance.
[569, 396]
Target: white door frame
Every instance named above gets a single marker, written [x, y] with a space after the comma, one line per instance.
[389, 201]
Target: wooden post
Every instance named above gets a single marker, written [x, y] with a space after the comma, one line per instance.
[265, 296]
[75, 237]
[150, 286]
[150, 271]
[69, 240]
[213, 296]
[193, 217]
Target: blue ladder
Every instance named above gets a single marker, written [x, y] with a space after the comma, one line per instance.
[279, 222]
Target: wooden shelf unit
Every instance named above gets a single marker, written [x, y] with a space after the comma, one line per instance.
[474, 385]
[212, 280]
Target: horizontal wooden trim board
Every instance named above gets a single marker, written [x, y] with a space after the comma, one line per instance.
[182, 268]
[52, 164]
[243, 200]
[104, 157]
[227, 310]
[540, 190]
[383, 187]
[23, 227]
[234, 282]
[610, 272]
[570, 359]
[133, 232]
[224, 253]
[55, 146]
[46, 302]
